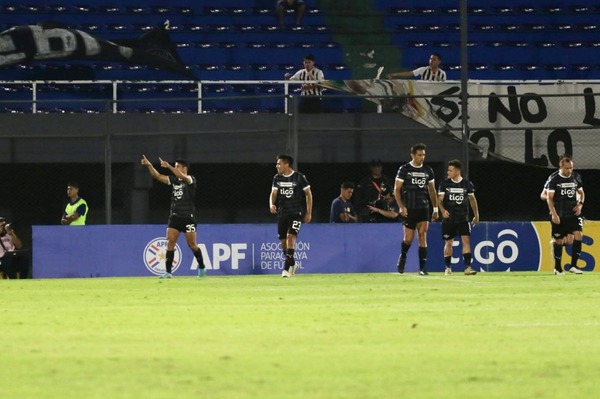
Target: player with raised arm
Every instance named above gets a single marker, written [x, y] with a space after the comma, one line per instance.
[182, 217]
[291, 199]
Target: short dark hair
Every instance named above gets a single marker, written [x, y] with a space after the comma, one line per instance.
[309, 57]
[417, 147]
[456, 163]
[564, 159]
[437, 55]
[347, 184]
[286, 158]
[183, 162]
[73, 184]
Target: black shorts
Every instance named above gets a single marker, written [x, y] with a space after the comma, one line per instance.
[452, 229]
[567, 226]
[416, 216]
[288, 225]
[185, 224]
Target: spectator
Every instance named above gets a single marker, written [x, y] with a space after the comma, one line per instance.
[455, 196]
[342, 210]
[283, 5]
[433, 72]
[369, 190]
[10, 266]
[385, 209]
[310, 99]
[76, 210]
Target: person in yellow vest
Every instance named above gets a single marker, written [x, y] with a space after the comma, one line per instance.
[77, 209]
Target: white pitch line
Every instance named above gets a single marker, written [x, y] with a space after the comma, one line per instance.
[445, 278]
[584, 324]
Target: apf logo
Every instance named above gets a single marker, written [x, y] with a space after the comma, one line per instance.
[155, 254]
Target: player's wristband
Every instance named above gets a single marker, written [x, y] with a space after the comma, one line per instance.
[435, 209]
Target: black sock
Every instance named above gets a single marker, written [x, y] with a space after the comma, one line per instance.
[169, 260]
[290, 254]
[575, 252]
[557, 255]
[405, 248]
[448, 260]
[199, 259]
[467, 258]
[422, 257]
[289, 259]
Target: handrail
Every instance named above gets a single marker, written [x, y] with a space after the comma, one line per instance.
[200, 83]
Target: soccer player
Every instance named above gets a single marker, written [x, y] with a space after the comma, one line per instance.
[291, 199]
[565, 202]
[182, 216]
[454, 209]
[415, 193]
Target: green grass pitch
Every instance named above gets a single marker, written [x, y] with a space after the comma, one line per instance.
[493, 335]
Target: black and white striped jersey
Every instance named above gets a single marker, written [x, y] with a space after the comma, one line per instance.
[427, 74]
[310, 89]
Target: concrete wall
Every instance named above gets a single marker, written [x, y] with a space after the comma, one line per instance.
[210, 138]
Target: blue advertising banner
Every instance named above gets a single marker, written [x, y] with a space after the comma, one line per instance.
[139, 250]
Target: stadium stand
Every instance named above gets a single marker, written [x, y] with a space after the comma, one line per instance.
[241, 40]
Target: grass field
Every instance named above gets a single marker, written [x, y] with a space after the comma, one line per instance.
[494, 335]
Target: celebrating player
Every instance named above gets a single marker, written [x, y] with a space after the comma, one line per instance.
[182, 216]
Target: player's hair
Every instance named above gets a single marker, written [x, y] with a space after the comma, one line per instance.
[564, 158]
[309, 57]
[73, 184]
[286, 158]
[417, 147]
[347, 184]
[456, 163]
[183, 162]
[439, 57]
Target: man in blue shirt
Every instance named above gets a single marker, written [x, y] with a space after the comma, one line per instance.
[342, 210]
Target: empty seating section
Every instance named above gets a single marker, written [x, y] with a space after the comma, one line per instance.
[218, 40]
[241, 40]
[508, 39]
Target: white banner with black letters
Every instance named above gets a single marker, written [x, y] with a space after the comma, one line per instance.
[529, 123]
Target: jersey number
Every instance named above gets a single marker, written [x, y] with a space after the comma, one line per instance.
[190, 228]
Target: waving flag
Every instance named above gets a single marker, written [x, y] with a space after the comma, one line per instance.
[24, 44]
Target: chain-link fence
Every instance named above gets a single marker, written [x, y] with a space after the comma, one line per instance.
[233, 158]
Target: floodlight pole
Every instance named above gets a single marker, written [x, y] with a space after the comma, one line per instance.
[464, 95]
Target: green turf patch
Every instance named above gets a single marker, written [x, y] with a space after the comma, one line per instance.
[494, 335]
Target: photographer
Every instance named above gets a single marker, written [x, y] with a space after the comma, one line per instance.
[9, 243]
[385, 209]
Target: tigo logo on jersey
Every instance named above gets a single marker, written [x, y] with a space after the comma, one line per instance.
[155, 254]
